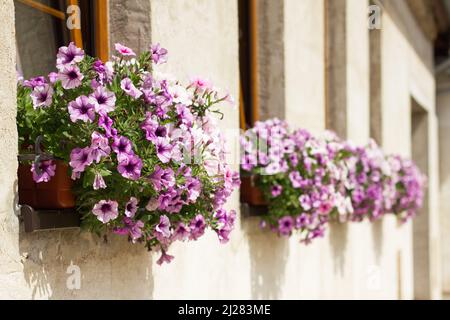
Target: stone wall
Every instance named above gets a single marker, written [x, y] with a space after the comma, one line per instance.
[352, 261]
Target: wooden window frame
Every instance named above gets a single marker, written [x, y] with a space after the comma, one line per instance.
[101, 43]
[254, 68]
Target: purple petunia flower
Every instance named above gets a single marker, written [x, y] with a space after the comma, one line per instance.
[123, 50]
[42, 96]
[122, 147]
[181, 232]
[305, 202]
[99, 146]
[163, 149]
[130, 167]
[128, 87]
[193, 187]
[81, 109]
[52, 77]
[164, 258]
[136, 230]
[46, 171]
[153, 130]
[131, 228]
[68, 55]
[302, 221]
[99, 182]
[200, 84]
[70, 77]
[225, 224]
[106, 123]
[106, 210]
[184, 115]
[162, 229]
[159, 55]
[296, 179]
[99, 67]
[170, 201]
[80, 159]
[155, 178]
[103, 100]
[162, 178]
[35, 82]
[131, 207]
[197, 226]
[276, 190]
[285, 225]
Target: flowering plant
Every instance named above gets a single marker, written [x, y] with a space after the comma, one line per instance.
[297, 174]
[145, 151]
[368, 181]
[408, 184]
[309, 180]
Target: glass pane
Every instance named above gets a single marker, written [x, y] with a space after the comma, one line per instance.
[38, 36]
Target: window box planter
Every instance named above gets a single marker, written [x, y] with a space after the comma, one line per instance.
[127, 137]
[40, 220]
[250, 193]
[55, 194]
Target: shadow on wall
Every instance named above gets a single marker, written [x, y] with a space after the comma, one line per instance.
[377, 234]
[338, 243]
[268, 256]
[71, 264]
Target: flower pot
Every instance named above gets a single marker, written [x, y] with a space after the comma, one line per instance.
[54, 194]
[250, 193]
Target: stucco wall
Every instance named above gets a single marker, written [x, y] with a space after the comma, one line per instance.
[352, 261]
[443, 109]
[10, 267]
[402, 83]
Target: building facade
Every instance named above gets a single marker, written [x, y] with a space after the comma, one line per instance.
[319, 67]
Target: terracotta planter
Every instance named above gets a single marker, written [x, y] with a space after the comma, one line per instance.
[55, 194]
[250, 193]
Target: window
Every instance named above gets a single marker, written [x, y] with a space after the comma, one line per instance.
[41, 28]
[248, 62]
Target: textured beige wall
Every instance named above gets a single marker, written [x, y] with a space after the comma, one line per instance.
[407, 75]
[129, 22]
[443, 111]
[352, 261]
[10, 267]
[304, 55]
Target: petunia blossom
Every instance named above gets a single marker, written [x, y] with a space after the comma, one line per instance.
[128, 87]
[42, 96]
[81, 109]
[130, 167]
[103, 100]
[163, 227]
[80, 159]
[158, 54]
[123, 50]
[285, 225]
[167, 258]
[99, 182]
[163, 149]
[131, 207]
[99, 146]
[70, 77]
[69, 55]
[106, 210]
[197, 227]
[122, 146]
[44, 172]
